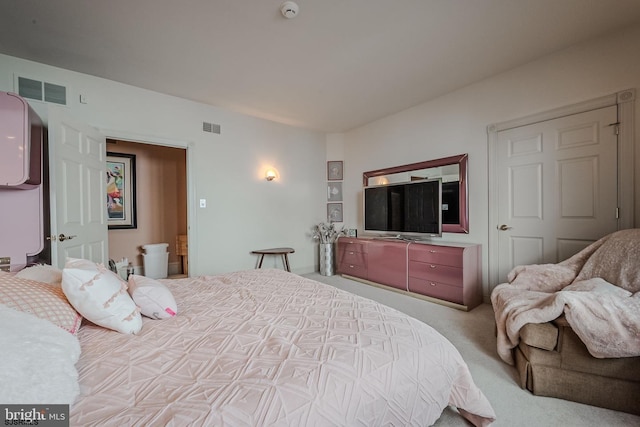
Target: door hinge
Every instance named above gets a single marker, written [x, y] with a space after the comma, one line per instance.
[616, 128]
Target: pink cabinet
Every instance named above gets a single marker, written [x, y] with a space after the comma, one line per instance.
[21, 190]
[445, 272]
[20, 143]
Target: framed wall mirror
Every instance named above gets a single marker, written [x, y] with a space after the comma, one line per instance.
[453, 172]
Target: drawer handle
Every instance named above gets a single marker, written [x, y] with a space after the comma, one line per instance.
[432, 284]
[351, 253]
[351, 266]
[432, 266]
[432, 251]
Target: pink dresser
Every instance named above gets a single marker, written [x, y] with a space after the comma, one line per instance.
[448, 273]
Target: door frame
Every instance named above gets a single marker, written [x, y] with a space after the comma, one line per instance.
[625, 100]
[191, 182]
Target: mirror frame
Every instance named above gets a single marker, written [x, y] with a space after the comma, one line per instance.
[461, 160]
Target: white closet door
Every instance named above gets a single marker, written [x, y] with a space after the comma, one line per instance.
[557, 187]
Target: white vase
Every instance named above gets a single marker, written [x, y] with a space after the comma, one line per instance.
[326, 259]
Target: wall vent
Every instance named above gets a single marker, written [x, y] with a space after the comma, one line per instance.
[42, 91]
[211, 127]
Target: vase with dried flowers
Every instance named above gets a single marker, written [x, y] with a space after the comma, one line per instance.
[326, 234]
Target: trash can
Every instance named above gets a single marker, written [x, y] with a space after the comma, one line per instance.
[156, 260]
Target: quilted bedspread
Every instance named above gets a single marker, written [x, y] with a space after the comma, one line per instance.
[270, 348]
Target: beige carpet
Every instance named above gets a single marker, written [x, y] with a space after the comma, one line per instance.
[473, 334]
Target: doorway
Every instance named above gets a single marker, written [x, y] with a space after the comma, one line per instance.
[161, 203]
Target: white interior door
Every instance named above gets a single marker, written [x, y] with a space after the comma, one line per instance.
[557, 188]
[78, 193]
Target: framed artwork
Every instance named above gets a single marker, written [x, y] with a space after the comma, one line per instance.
[334, 170]
[352, 232]
[334, 212]
[121, 190]
[334, 191]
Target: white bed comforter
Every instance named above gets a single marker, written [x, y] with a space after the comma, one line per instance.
[37, 360]
[270, 348]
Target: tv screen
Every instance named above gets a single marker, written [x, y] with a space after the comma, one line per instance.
[406, 208]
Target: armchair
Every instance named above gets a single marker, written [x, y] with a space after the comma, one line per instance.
[572, 329]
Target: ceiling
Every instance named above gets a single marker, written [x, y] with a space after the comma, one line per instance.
[338, 65]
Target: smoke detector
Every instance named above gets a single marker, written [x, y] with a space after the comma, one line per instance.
[289, 9]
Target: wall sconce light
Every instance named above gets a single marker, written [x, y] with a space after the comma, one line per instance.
[270, 174]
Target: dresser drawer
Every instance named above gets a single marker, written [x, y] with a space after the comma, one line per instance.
[443, 255]
[436, 272]
[350, 245]
[352, 257]
[353, 270]
[436, 290]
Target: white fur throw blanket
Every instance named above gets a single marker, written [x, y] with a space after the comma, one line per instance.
[598, 290]
[37, 360]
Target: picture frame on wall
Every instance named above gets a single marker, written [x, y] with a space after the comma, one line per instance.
[334, 191]
[334, 212]
[121, 191]
[335, 170]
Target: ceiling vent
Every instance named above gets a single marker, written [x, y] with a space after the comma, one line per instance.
[42, 91]
[211, 127]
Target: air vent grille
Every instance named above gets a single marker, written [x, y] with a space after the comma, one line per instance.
[55, 93]
[42, 91]
[28, 88]
[211, 127]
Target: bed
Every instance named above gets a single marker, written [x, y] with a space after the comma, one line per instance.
[268, 347]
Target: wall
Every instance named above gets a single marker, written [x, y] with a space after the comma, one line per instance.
[244, 211]
[161, 201]
[457, 122]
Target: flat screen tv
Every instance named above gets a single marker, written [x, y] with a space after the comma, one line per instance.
[404, 209]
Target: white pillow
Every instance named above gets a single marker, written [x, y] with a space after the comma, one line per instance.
[154, 299]
[41, 273]
[100, 296]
